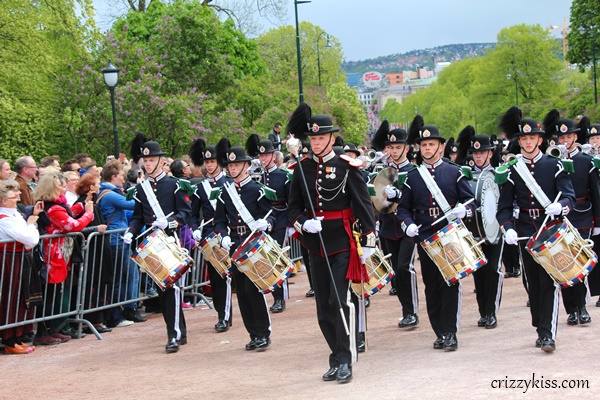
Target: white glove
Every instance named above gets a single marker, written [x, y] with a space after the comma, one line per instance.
[128, 238]
[367, 253]
[226, 243]
[391, 192]
[554, 209]
[595, 231]
[259, 225]
[313, 225]
[161, 223]
[459, 211]
[510, 237]
[291, 231]
[197, 235]
[412, 230]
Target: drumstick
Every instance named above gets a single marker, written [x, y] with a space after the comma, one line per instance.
[204, 223]
[254, 230]
[444, 216]
[151, 227]
[546, 219]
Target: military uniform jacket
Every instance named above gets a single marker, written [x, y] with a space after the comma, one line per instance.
[585, 214]
[279, 181]
[417, 205]
[227, 216]
[389, 225]
[333, 185]
[552, 178]
[202, 208]
[171, 197]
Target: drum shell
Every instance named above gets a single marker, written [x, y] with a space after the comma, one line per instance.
[380, 274]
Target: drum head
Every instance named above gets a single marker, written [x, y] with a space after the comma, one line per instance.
[487, 196]
[385, 177]
[242, 251]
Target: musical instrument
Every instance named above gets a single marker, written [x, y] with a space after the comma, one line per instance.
[487, 194]
[387, 176]
[454, 251]
[380, 274]
[563, 253]
[263, 261]
[162, 259]
[217, 256]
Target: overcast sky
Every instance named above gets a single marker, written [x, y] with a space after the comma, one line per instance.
[371, 28]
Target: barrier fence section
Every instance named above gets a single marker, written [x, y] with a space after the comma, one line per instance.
[101, 277]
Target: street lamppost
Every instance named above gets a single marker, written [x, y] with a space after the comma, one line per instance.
[111, 77]
[327, 44]
[298, 56]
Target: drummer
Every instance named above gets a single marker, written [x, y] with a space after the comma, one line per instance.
[549, 174]
[204, 203]
[277, 182]
[231, 225]
[417, 212]
[488, 279]
[162, 197]
[393, 239]
[586, 209]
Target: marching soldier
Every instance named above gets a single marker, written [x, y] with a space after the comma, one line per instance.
[161, 203]
[548, 172]
[393, 239]
[417, 212]
[241, 209]
[586, 209]
[204, 203]
[277, 181]
[488, 279]
[328, 197]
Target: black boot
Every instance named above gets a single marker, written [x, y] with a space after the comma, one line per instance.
[481, 322]
[491, 322]
[278, 306]
[410, 321]
[251, 345]
[344, 373]
[361, 343]
[439, 343]
[573, 318]
[310, 293]
[222, 326]
[330, 374]
[393, 292]
[261, 344]
[172, 346]
[450, 342]
[584, 316]
[548, 345]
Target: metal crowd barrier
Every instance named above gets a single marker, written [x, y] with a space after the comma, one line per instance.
[295, 249]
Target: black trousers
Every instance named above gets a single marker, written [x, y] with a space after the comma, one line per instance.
[488, 279]
[281, 293]
[574, 297]
[543, 296]
[341, 345]
[405, 279]
[442, 300]
[170, 304]
[221, 293]
[253, 306]
[511, 258]
[306, 261]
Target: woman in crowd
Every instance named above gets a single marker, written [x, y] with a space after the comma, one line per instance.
[19, 237]
[5, 171]
[58, 218]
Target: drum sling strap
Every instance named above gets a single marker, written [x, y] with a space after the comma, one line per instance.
[237, 202]
[530, 182]
[208, 189]
[435, 190]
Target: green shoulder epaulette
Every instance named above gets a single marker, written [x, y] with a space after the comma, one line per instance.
[269, 193]
[215, 193]
[131, 192]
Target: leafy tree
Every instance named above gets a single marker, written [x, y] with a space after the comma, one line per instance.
[584, 33]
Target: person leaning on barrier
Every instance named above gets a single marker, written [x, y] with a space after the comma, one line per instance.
[57, 218]
[23, 236]
[115, 208]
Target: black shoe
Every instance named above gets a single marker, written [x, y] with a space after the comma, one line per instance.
[330, 374]
[598, 302]
[548, 345]
[481, 322]
[222, 326]
[251, 345]
[584, 316]
[361, 345]
[439, 343]
[172, 346]
[573, 318]
[278, 306]
[491, 322]
[182, 341]
[261, 344]
[450, 342]
[538, 342]
[410, 321]
[310, 293]
[393, 292]
[344, 373]
[135, 316]
[528, 304]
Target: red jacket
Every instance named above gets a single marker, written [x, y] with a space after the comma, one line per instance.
[57, 251]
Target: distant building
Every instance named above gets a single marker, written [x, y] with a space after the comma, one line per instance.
[395, 78]
[439, 66]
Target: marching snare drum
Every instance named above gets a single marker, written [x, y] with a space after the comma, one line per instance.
[380, 274]
[162, 259]
[454, 251]
[263, 261]
[563, 253]
[218, 257]
[487, 194]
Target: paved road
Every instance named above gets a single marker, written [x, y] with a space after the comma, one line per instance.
[130, 362]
